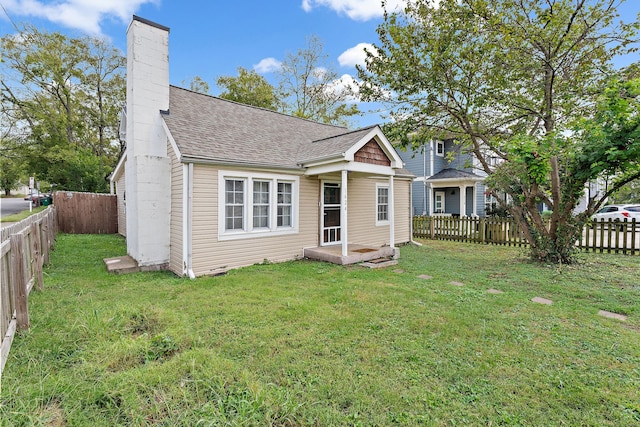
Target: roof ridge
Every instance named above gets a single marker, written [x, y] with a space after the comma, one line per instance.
[346, 133]
[259, 108]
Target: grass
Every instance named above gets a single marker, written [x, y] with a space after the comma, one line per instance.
[308, 343]
[22, 215]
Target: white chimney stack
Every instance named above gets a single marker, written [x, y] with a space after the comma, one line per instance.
[147, 167]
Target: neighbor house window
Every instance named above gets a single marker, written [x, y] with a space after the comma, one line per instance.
[261, 204]
[234, 204]
[250, 201]
[382, 204]
[440, 148]
[285, 200]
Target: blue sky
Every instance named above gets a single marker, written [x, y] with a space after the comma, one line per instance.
[210, 38]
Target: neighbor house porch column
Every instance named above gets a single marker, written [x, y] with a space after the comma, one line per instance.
[343, 214]
[463, 200]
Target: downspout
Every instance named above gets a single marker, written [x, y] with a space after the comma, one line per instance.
[187, 199]
[431, 165]
[190, 224]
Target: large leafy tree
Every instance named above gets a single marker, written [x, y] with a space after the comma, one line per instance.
[250, 88]
[311, 89]
[62, 96]
[512, 79]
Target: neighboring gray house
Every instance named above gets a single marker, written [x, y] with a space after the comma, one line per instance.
[443, 186]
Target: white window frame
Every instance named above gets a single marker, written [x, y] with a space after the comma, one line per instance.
[443, 196]
[249, 231]
[440, 148]
[380, 222]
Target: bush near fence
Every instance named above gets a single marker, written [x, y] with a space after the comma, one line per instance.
[599, 236]
[25, 249]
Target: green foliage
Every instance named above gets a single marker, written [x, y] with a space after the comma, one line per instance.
[309, 343]
[61, 99]
[309, 88]
[249, 88]
[518, 81]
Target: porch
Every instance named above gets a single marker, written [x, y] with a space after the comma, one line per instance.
[355, 253]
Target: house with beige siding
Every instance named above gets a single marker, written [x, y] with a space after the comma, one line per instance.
[206, 184]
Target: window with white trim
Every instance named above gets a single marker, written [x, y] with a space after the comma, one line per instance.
[234, 204]
[255, 204]
[285, 203]
[382, 204]
[261, 204]
[440, 148]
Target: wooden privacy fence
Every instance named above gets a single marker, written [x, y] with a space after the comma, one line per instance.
[25, 249]
[86, 213]
[601, 236]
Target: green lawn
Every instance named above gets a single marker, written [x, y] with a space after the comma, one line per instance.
[308, 343]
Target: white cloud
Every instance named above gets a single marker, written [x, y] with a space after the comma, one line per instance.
[267, 65]
[347, 85]
[83, 15]
[355, 55]
[358, 10]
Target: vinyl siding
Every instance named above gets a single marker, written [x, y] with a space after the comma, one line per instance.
[122, 206]
[402, 211]
[362, 212]
[175, 245]
[210, 254]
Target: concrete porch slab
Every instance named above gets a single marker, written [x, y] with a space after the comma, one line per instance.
[126, 264]
[355, 253]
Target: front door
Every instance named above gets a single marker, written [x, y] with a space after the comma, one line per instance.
[439, 202]
[330, 229]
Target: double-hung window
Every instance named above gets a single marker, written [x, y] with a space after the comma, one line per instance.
[234, 204]
[382, 204]
[255, 204]
[285, 203]
[261, 201]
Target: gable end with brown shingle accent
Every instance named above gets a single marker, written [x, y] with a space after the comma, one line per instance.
[373, 154]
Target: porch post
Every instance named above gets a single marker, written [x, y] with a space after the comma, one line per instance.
[392, 222]
[473, 197]
[430, 192]
[463, 200]
[343, 215]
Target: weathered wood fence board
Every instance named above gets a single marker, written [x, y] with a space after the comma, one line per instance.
[86, 213]
[25, 249]
[602, 236]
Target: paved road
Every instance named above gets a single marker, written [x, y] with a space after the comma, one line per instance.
[10, 206]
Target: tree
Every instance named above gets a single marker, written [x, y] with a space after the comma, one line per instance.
[629, 193]
[512, 79]
[63, 95]
[249, 88]
[11, 167]
[310, 87]
[198, 84]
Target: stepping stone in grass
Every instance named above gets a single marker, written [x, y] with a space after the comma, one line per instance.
[542, 300]
[611, 315]
[398, 270]
[494, 291]
[457, 283]
[425, 277]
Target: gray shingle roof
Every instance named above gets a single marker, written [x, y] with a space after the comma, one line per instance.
[454, 174]
[213, 129]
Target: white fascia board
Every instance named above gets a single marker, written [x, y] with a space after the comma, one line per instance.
[453, 182]
[119, 169]
[171, 140]
[351, 167]
[381, 139]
